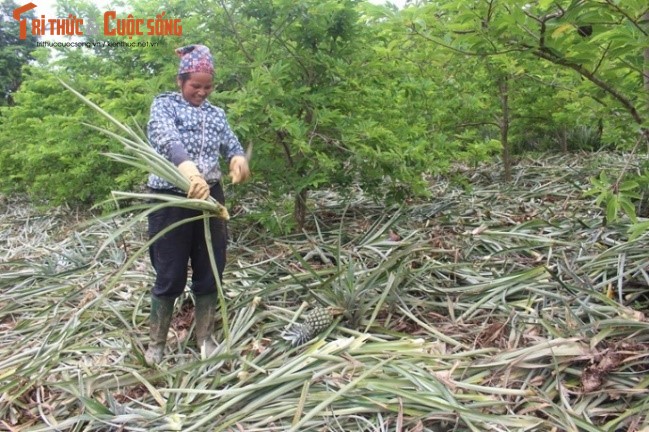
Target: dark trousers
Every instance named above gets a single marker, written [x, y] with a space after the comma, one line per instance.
[183, 245]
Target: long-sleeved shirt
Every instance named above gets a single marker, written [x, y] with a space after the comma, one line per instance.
[180, 131]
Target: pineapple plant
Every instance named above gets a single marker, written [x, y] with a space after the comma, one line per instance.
[350, 292]
[314, 322]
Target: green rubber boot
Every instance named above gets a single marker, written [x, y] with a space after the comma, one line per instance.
[204, 315]
[162, 309]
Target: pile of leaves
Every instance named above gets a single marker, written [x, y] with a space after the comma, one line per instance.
[489, 307]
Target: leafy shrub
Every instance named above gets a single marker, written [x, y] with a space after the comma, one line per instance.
[584, 138]
[47, 151]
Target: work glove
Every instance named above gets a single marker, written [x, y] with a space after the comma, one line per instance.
[239, 170]
[198, 187]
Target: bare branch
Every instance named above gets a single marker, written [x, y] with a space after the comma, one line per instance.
[601, 59]
[619, 10]
[474, 124]
[590, 76]
[236, 33]
[459, 51]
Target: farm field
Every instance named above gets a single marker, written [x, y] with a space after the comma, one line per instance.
[490, 306]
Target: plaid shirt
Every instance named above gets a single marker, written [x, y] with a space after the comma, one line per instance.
[180, 132]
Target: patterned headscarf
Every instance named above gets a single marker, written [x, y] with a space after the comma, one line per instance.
[195, 58]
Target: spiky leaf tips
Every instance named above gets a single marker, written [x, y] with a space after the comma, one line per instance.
[314, 322]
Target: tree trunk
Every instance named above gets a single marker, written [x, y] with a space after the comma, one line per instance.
[299, 209]
[645, 131]
[563, 140]
[299, 212]
[645, 19]
[504, 127]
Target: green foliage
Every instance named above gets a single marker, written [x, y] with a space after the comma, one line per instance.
[586, 138]
[46, 147]
[479, 151]
[14, 52]
[642, 180]
[275, 215]
[338, 92]
[544, 48]
[48, 152]
[315, 100]
[574, 69]
[617, 197]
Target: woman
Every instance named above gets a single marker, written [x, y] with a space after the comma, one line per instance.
[194, 135]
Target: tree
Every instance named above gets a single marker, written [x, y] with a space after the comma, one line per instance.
[46, 149]
[340, 91]
[14, 52]
[603, 42]
[303, 83]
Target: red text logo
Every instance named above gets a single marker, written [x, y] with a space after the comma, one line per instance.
[112, 25]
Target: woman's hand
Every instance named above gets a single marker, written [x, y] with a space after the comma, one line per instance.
[198, 187]
[239, 170]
